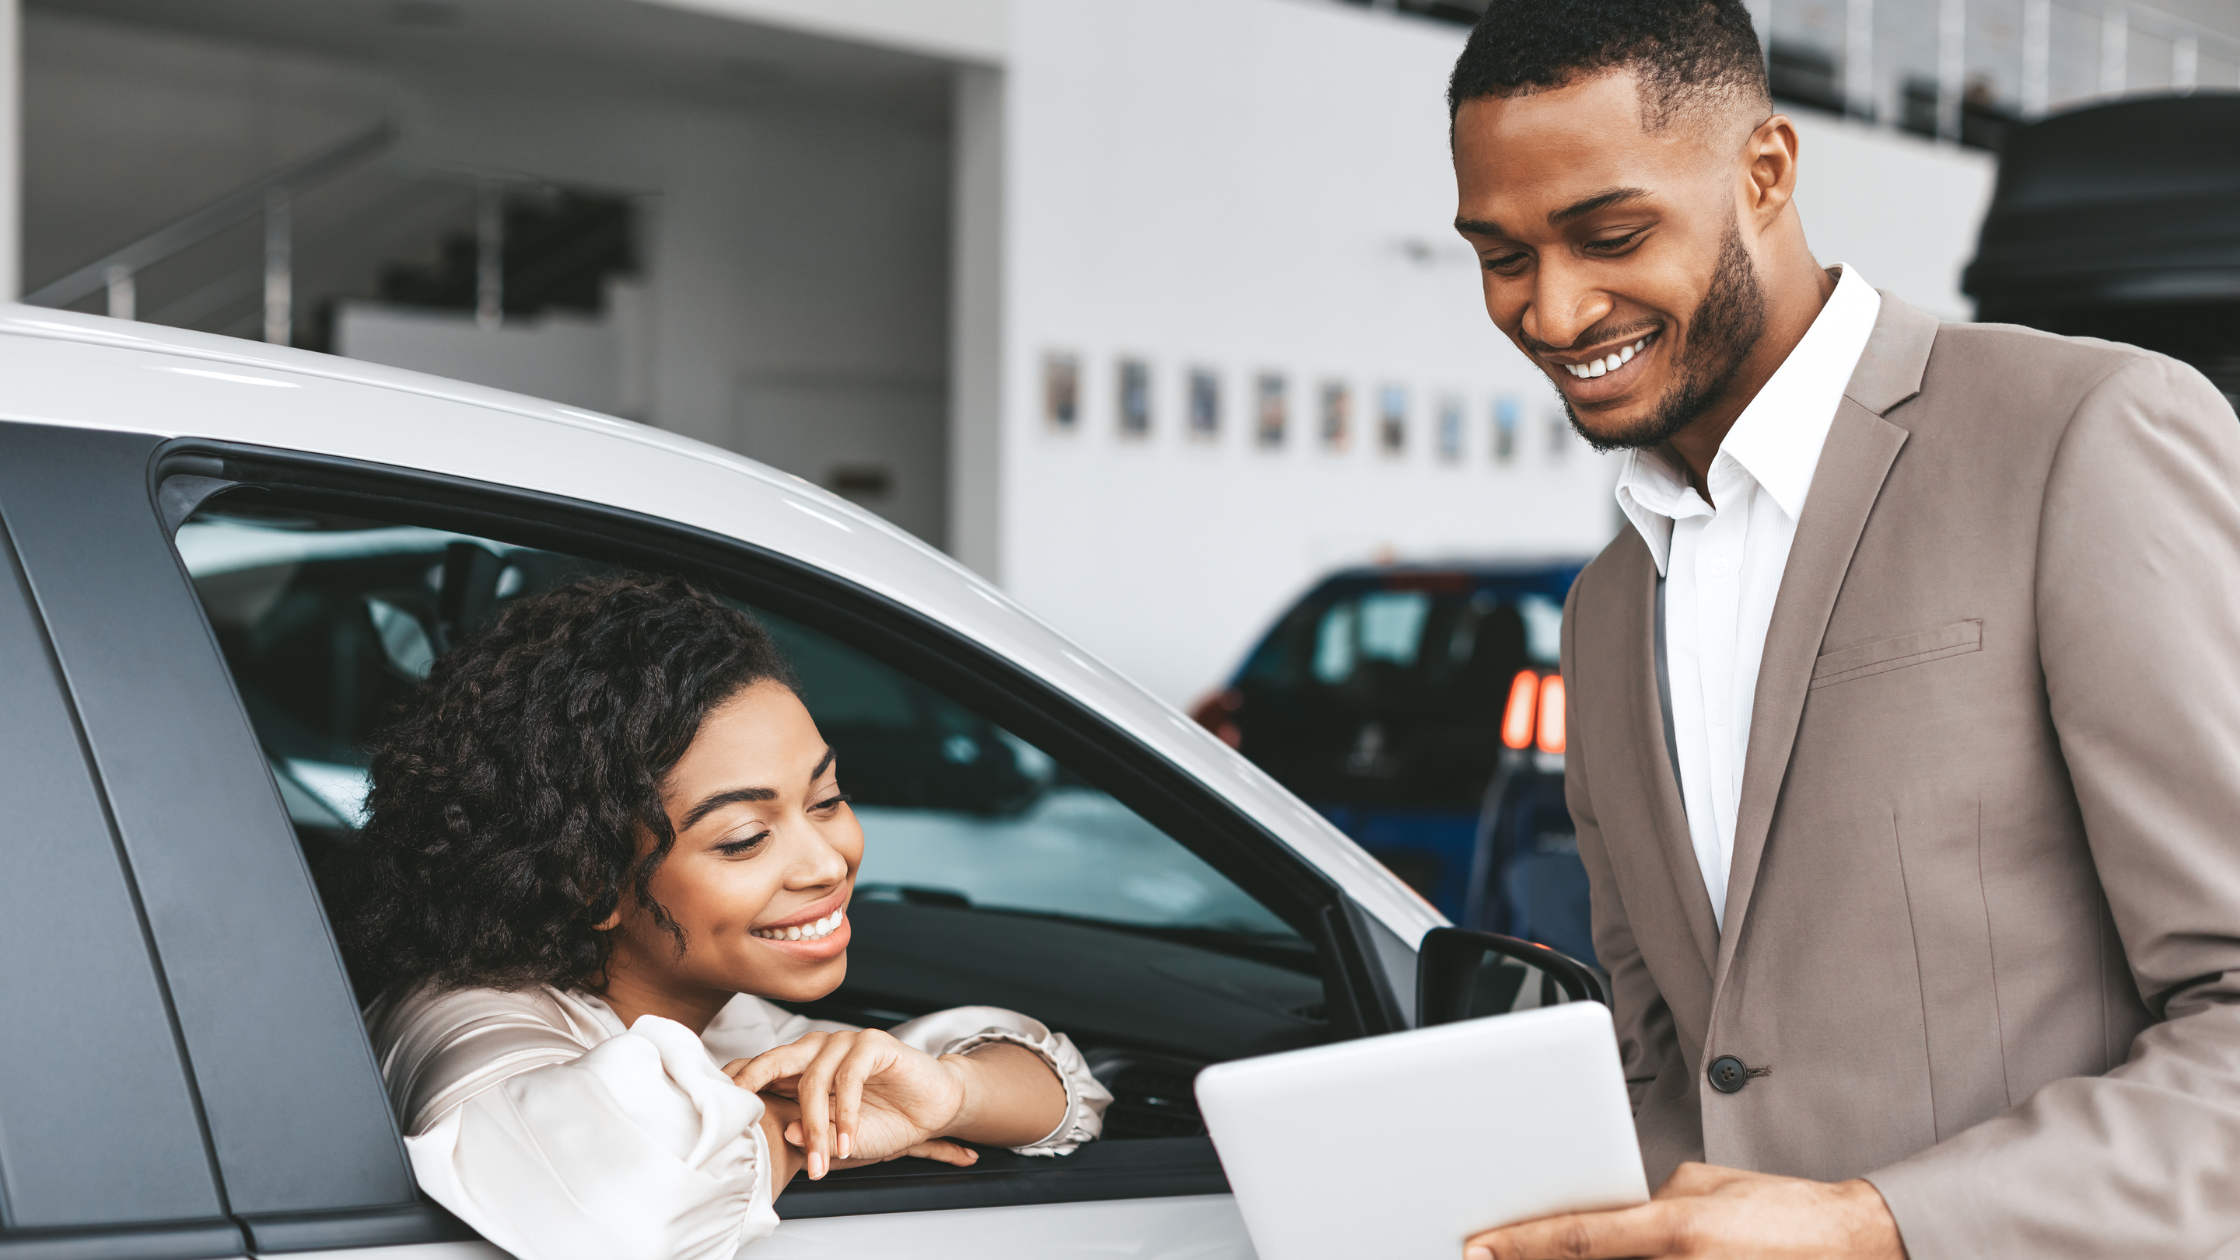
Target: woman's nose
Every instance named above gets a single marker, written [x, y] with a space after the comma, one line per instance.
[816, 863]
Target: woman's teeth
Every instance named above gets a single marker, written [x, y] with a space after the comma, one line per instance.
[1596, 367]
[816, 931]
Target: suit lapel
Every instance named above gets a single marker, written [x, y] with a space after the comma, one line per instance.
[1861, 447]
[1653, 761]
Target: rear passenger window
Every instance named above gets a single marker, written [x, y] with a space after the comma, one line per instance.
[1051, 896]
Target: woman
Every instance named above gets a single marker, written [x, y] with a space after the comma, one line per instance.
[602, 834]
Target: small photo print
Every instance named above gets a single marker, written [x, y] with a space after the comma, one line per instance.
[1272, 410]
[1061, 390]
[1559, 434]
[1337, 415]
[1135, 398]
[1504, 429]
[1392, 419]
[1205, 403]
[1450, 429]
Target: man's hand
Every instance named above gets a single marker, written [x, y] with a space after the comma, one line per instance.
[1702, 1211]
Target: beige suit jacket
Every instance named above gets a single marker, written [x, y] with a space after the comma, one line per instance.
[1982, 936]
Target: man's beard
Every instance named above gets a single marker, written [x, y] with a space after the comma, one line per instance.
[1726, 324]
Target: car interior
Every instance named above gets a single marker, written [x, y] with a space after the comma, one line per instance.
[994, 874]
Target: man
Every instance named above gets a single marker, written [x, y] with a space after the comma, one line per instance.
[1904, 712]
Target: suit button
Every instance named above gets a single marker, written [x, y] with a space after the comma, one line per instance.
[1728, 1074]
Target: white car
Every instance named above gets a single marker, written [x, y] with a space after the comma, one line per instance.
[224, 560]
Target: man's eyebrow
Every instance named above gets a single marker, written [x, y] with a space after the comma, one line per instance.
[1600, 201]
[1479, 227]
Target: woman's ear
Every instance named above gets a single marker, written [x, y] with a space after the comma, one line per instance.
[610, 923]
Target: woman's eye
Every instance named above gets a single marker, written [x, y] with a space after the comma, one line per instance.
[830, 803]
[743, 845]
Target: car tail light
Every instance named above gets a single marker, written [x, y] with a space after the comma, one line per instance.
[1551, 714]
[1516, 719]
[1218, 713]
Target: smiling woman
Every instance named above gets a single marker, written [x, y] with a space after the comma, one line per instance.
[602, 836]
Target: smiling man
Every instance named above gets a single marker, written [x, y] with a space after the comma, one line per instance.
[1904, 713]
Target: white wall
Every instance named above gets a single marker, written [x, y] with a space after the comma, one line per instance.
[1901, 209]
[1250, 185]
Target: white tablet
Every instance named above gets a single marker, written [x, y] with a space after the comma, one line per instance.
[1403, 1146]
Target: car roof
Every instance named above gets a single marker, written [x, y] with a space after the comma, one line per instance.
[85, 371]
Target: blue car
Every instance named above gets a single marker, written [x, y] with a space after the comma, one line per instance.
[1420, 708]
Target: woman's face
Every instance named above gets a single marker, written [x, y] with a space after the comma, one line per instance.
[765, 860]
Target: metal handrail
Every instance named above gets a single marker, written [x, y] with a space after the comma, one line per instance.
[200, 225]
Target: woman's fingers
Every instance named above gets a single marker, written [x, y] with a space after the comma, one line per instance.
[814, 1089]
[946, 1152]
[871, 1053]
[756, 1073]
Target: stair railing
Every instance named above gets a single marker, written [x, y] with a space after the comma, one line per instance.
[272, 196]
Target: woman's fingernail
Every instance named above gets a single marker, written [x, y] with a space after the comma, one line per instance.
[816, 1171]
[1477, 1253]
[844, 1144]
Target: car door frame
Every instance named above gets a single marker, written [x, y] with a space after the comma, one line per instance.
[125, 474]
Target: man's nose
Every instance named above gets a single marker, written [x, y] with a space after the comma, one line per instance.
[1565, 304]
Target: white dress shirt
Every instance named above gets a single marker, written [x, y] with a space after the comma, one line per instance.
[1721, 565]
[538, 1120]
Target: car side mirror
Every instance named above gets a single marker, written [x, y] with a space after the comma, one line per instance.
[1462, 974]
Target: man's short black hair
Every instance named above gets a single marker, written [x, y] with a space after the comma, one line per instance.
[1688, 53]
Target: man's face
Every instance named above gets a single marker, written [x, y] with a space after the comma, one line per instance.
[1612, 256]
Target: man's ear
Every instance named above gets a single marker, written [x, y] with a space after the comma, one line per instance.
[1769, 169]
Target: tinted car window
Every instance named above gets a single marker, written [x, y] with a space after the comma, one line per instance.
[1048, 894]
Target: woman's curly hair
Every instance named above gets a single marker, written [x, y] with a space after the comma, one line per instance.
[508, 795]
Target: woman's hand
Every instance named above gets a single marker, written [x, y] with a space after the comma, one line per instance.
[864, 1097]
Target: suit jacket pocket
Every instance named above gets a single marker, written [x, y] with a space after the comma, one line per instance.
[1865, 660]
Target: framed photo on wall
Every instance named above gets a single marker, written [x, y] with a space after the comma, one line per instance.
[1392, 419]
[1134, 386]
[1205, 403]
[1271, 410]
[1061, 390]
[1504, 429]
[1450, 430]
[1337, 415]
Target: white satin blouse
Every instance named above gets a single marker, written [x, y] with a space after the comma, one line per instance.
[535, 1117]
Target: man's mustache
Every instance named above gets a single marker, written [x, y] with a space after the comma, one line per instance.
[1592, 337]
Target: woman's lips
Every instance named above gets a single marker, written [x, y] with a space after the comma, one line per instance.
[831, 945]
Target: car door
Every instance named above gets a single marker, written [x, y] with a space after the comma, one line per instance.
[250, 613]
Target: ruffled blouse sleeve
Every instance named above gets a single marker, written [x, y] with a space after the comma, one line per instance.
[638, 1147]
[963, 1029]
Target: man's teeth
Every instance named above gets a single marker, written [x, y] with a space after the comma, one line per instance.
[816, 931]
[1596, 367]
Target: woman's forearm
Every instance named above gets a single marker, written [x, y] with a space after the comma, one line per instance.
[1012, 1097]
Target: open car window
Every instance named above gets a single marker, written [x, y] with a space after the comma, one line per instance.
[994, 874]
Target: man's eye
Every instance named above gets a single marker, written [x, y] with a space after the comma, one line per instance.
[1613, 244]
[1505, 263]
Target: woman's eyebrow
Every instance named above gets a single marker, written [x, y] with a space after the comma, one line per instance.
[733, 797]
[737, 796]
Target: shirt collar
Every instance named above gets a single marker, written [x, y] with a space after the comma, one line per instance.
[1778, 437]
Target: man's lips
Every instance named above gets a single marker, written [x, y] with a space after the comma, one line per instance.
[1607, 372]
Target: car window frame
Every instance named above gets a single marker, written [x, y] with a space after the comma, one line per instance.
[1359, 994]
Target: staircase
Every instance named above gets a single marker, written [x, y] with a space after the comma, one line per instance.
[276, 259]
